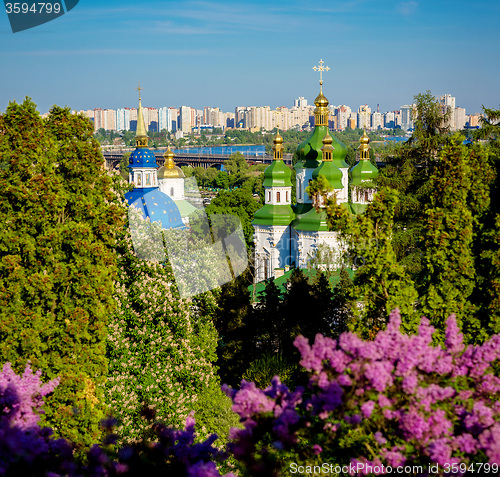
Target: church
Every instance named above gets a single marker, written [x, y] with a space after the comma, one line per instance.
[287, 235]
[157, 193]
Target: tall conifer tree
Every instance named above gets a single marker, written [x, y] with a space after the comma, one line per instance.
[59, 219]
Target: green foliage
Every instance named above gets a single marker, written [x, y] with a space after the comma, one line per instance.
[60, 220]
[263, 369]
[448, 267]
[380, 282]
[239, 202]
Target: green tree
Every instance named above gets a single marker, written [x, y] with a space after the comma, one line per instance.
[60, 220]
[381, 283]
[448, 275]
[239, 202]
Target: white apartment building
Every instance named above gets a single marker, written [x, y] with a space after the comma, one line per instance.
[364, 113]
[123, 119]
[377, 120]
[185, 119]
[167, 119]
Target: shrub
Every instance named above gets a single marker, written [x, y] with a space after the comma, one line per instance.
[396, 400]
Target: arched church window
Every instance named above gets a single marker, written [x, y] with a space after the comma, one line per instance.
[278, 197]
[148, 179]
[171, 191]
[138, 178]
[286, 196]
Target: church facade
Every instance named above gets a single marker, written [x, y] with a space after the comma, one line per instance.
[290, 235]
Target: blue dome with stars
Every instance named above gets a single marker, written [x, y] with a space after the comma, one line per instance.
[156, 205]
[142, 157]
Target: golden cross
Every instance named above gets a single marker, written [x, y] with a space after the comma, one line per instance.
[139, 89]
[321, 68]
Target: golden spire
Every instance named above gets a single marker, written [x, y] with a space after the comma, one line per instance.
[321, 111]
[278, 147]
[141, 137]
[364, 148]
[327, 148]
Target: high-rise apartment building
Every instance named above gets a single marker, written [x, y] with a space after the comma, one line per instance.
[185, 119]
[301, 102]
[105, 119]
[123, 119]
[460, 118]
[377, 120]
[448, 105]
[342, 113]
[167, 119]
[407, 117]
[364, 113]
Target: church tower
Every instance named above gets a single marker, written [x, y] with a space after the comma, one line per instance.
[310, 155]
[363, 176]
[272, 221]
[171, 182]
[146, 195]
[142, 162]
[311, 228]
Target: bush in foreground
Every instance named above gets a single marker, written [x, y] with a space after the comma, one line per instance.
[394, 401]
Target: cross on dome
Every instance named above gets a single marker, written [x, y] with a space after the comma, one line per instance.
[321, 68]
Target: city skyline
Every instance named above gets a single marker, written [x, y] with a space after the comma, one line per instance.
[225, 55]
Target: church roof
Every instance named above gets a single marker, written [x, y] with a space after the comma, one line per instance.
[142, 157]
[271, 214]
[327, 168]
[277, 174]
[156, 205]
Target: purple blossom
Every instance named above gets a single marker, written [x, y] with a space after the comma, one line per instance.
[367, 408]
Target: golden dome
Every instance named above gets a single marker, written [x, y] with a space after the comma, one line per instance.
[169, 170]
[327, 148]
[364, 138]
[278, 139]
[321, 101]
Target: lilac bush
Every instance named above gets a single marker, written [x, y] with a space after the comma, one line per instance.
[27, 449]
[396, 400]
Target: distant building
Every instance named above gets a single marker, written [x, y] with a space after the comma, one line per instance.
[185, 119]
[406, 117]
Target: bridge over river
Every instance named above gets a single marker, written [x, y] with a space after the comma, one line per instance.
[113, 158]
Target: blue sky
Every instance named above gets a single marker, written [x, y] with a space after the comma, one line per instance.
[228, 54]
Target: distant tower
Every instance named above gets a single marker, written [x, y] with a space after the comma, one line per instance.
[363, 176]
[146, 196]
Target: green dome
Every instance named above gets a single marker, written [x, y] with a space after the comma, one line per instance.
[331, 172]
[274, 215]
[278, 174]
[309, 152]
[315, 221]
[364, 172]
